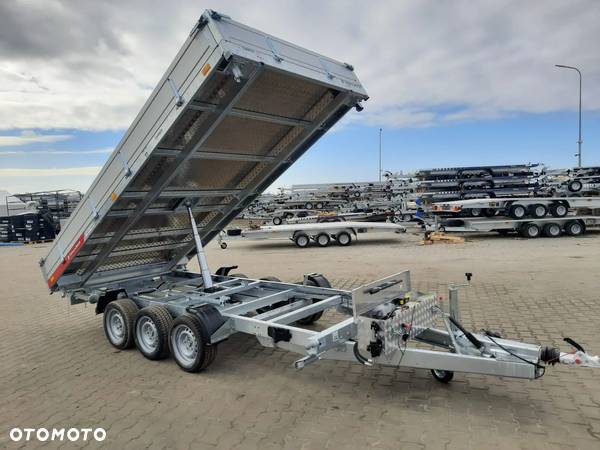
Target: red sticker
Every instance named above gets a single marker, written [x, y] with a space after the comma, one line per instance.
[63, 265]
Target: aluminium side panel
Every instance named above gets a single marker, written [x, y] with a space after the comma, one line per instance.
[234, 110]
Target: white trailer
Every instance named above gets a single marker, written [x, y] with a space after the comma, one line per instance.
[517, 207]
[530, 228]
[234, 110]
[302, 234]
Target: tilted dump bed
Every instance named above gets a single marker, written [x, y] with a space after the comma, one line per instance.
[233, 111]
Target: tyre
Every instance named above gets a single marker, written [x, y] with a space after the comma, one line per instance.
[538, 210]
[574, 228]
[343, 238]
[319, 281]
[443, 376]
[475, 212]
[277, 220]
[301, 240]
[489, 212]
[517, 211]
[552, 230]
[559, 210]
[530, 230]
[575, 186]
[119, 319]
[188, 344]
[237, 275]
[151, 333]
[323, 240]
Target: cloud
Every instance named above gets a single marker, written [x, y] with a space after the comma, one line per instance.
[63, 172]
[91, 65]
[31, 137]
[56, 152]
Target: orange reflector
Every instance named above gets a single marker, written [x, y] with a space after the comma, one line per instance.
[114, 196]
[205, 69]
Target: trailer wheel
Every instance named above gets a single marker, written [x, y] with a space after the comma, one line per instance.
[574, 228]
[187, 342]
[277, 220]
[237, 275]
[443, 376]
[119, 318]
[552, 230]
[319, 281]
[152, 326]
[343, 238]
[517, 211]
[559, 210]
[323, 240]
[575, 186]
[530, 230]
[301, 240]
[319, 205]
[308, 205]
[489, 212]
[475, 212]
[538, 210]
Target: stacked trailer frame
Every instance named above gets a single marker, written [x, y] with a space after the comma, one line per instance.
[232, 112]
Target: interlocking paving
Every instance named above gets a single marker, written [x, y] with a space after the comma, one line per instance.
[57, 370]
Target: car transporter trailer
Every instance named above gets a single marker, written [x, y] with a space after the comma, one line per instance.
[234, 110]
[301, 234]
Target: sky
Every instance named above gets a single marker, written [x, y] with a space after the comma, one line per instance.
[450, 83]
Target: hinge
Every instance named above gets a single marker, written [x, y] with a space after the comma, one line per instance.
[329, 74]
[124, 163]
[276, 55]
[92, 208]
[176, 93]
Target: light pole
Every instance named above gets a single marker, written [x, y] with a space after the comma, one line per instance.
[579, 142]
[380, 132]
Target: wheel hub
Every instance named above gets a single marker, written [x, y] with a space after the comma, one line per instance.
[116, 326]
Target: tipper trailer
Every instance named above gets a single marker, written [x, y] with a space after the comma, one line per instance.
[234, 110]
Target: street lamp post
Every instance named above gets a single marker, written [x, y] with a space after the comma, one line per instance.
[380, 133]
[579, 142]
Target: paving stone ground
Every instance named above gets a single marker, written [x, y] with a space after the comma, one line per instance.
[57, 370]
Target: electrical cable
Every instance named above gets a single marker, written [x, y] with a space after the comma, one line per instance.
[536, 365]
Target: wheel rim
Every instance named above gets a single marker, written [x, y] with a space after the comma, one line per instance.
[520, 211]
[540, 211]
[554, 230]
[147, 334]
[561, 210]
[115, 326]
[323, 240]
[533, 231]
[185, 345]
[302, 241]
[575, 228]
[343, 239]
[439, 373]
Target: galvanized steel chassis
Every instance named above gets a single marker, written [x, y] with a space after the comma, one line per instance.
[283, 304]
